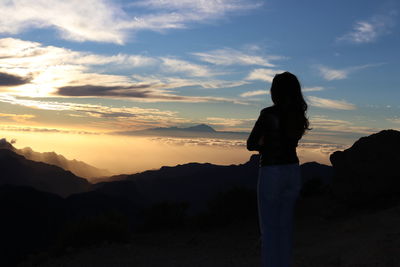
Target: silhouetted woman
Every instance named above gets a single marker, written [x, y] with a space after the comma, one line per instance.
[275, 135]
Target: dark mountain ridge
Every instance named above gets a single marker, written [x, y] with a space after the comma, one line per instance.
[17, 170]
[196, 183]
[79, 168]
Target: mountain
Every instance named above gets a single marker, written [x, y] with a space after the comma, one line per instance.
[315, 170]
[369, 169]
[17, 170]
[79, 168]
[30, 220]
[197, 131]
[195, 183]
[33, 221]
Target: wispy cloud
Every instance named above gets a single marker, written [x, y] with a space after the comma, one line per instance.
[313, 89]
[330, 103]
[367, 31]
[111, 21]
[229, 56]
[170, 82]
[395, 120]
[321, 124]
[330, 74]
[14, 128]
[254, 93]
[201, 7]
[266, 75]
[16, 117]
[231, 123]
[174, 65]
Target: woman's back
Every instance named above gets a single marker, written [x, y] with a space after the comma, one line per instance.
[275, 137]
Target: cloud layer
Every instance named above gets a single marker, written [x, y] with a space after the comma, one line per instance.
[42, 71]
[111, 21]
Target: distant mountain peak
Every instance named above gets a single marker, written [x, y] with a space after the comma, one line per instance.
[200, 128]
[196, 128]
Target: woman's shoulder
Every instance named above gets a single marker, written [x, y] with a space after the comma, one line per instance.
[269, 110]
[270, 117]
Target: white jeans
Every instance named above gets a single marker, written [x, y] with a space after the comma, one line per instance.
[278, 189]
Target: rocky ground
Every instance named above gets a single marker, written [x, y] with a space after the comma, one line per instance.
[362, 239]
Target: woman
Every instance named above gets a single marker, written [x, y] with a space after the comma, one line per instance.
[275, 135]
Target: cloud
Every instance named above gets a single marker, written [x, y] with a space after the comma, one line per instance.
[326, 149]
[329, 103]
[16, 52]
[323, 125]
[173, 65]
[313, 89]
[214, 142]
[85, 108]
[266, 75]
[51, 67]
[58, 71]
[17, 117]
[137, 93]
[90, 20]
[339, 74]
[97, 90]
[112, 118]
[41, 130]
[368, 31]
[229, 56]
[7, 79]
[332, 74]
[394, 120]
[108, 20]
[230, 122]
[170, 82]
[103, 117]
[254, 93]
[202, 7]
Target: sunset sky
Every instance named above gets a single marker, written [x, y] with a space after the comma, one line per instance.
[74, 72]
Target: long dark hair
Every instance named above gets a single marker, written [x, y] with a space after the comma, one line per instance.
[287, 97]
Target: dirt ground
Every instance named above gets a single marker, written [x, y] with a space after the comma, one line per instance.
[364, 240]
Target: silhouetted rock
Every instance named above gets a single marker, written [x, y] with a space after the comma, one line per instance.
[17, 170]
[369, 169]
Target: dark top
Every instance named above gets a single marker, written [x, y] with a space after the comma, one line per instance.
[274, 138]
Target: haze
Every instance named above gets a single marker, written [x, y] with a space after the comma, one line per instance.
[134, 154]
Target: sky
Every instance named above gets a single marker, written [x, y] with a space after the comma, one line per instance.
[72, 73]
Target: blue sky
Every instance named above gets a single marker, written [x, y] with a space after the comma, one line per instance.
[106, 65]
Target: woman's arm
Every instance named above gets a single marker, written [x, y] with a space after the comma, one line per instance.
[254, 142]
[265, 132]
